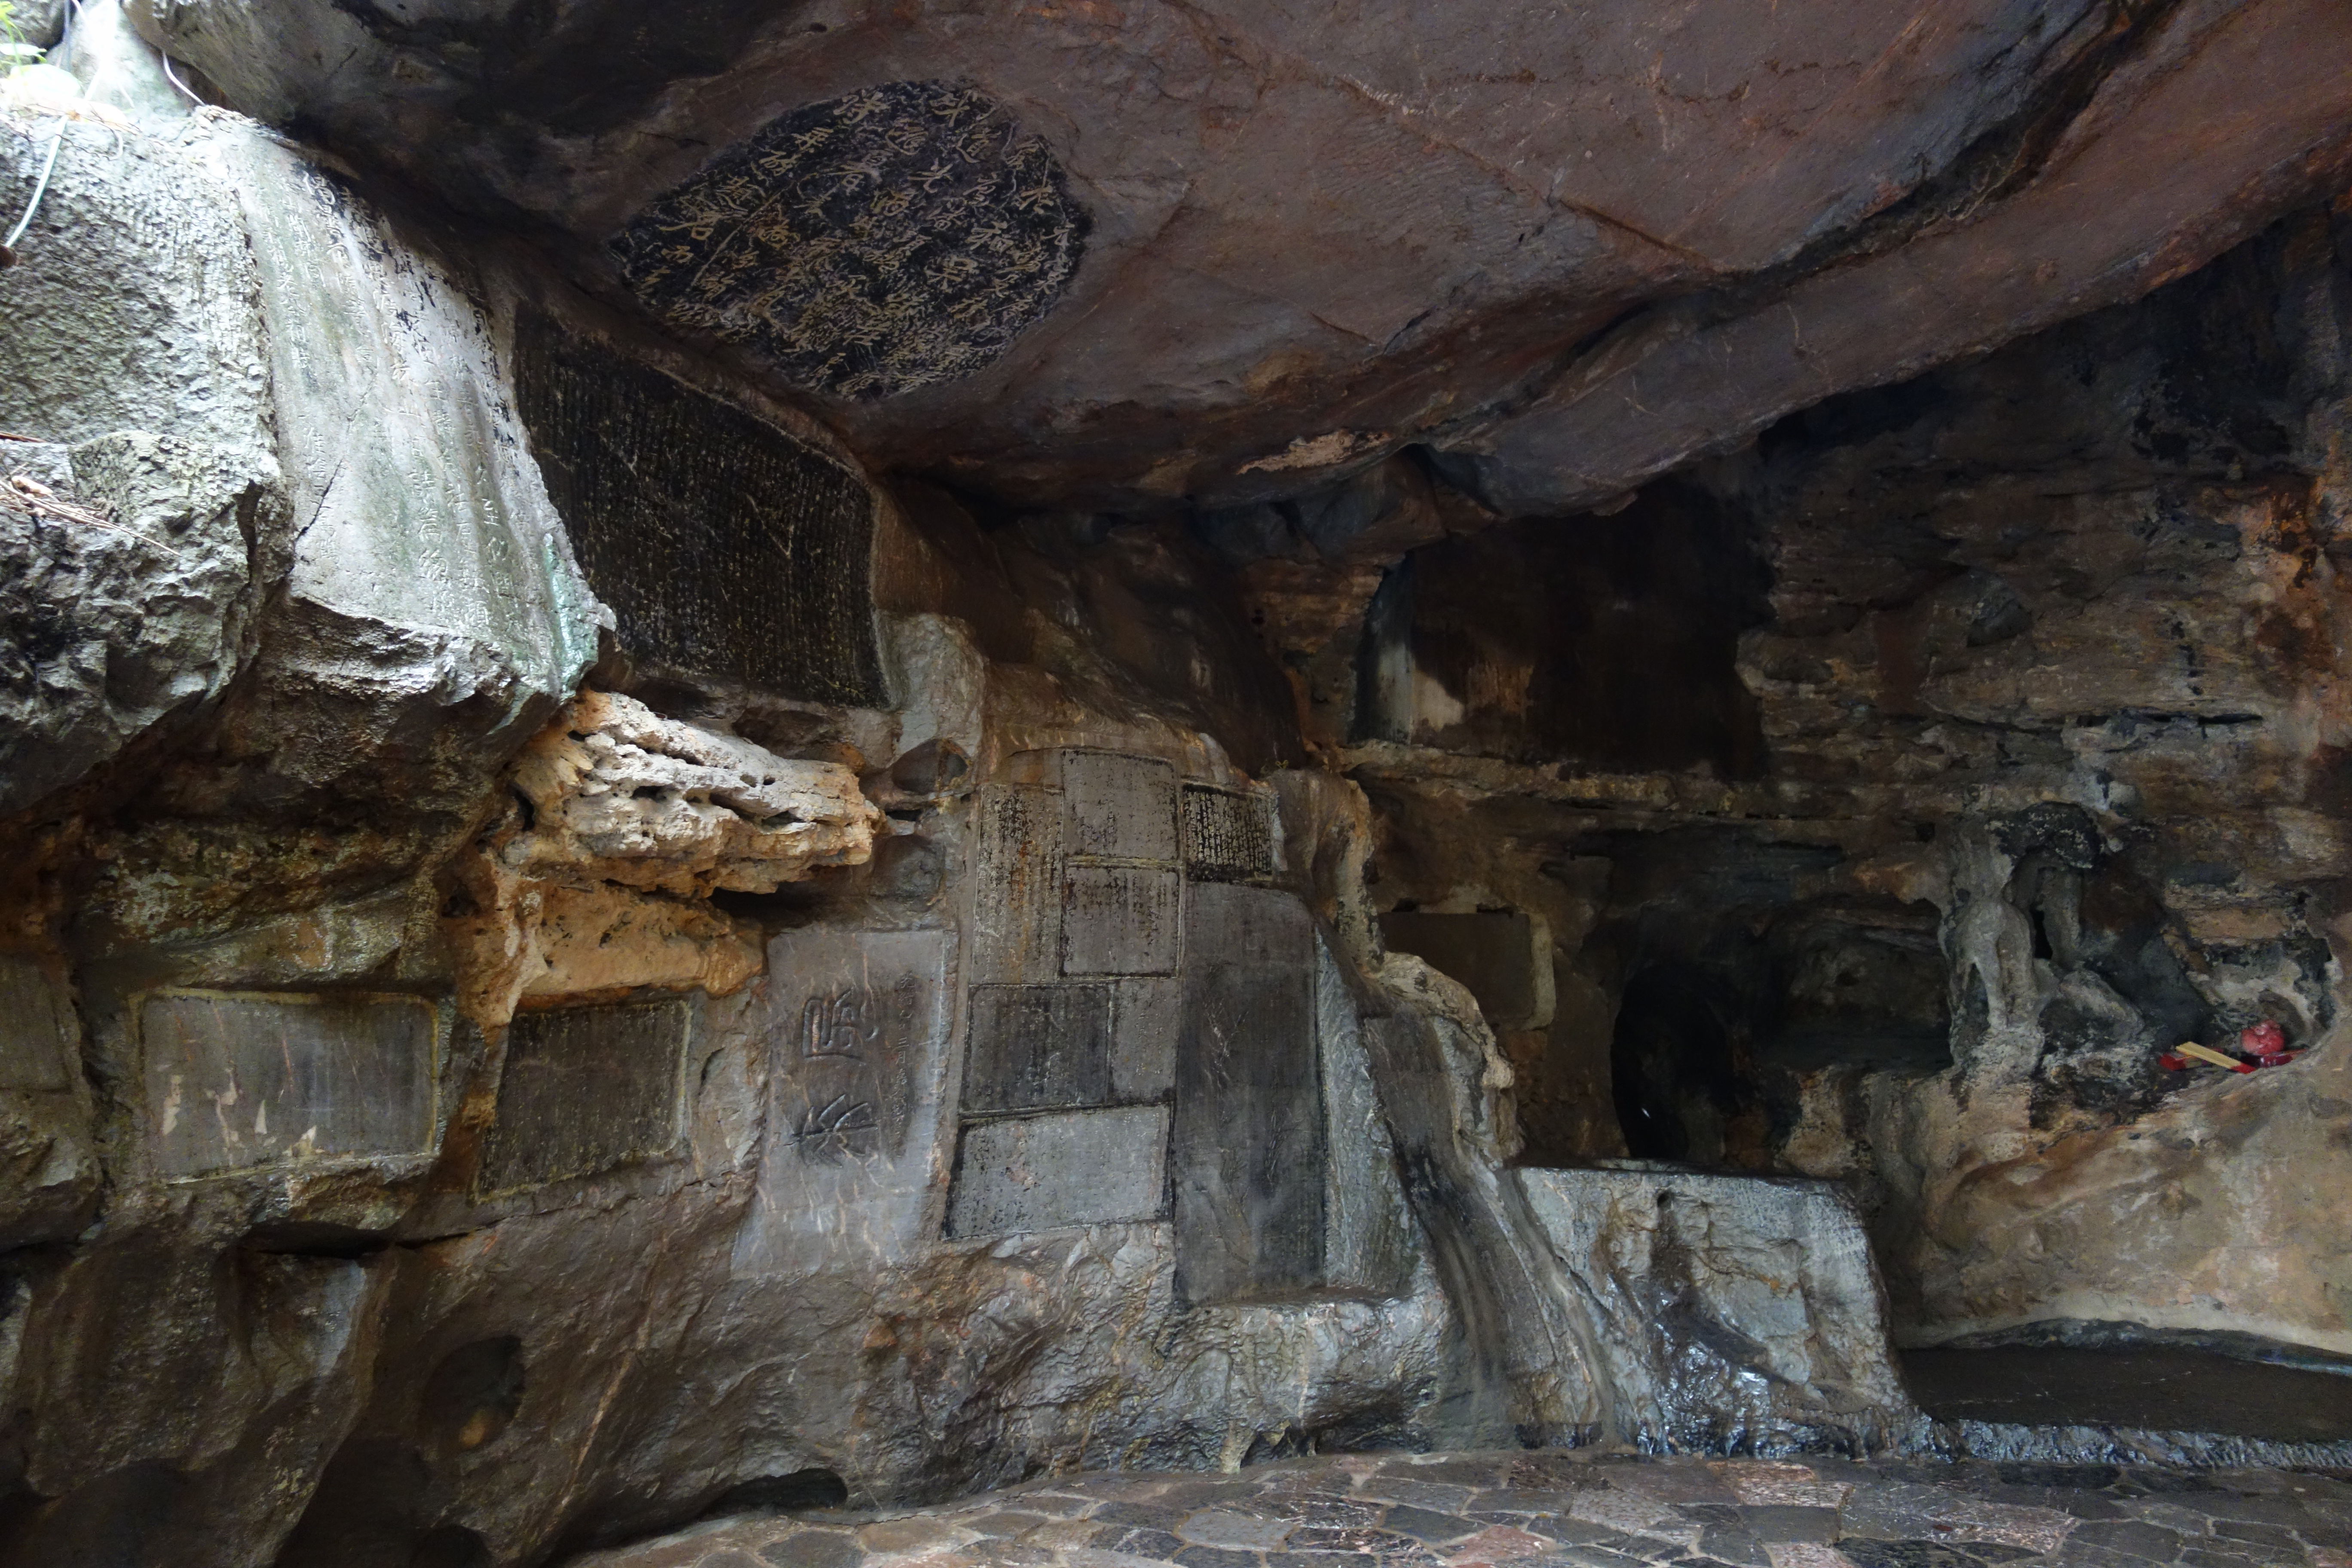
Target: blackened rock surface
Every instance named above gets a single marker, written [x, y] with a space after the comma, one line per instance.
[868, 246]
[726, 547]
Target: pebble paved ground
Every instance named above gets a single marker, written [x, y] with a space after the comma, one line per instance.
[1534, 1510]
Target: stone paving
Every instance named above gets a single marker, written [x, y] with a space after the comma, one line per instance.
[1536, 1509]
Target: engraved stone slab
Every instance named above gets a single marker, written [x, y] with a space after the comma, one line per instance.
[234, 1080]
[1037, 1047]
[1229, 834]
[1249, 926]
[1119, 920]
[1147, 1015]
[586, 1089]
[1247, 1148]
[1118, 806]
[1073, 1167]
[1017, 916]
[864, 246]
[39, 1035]
[725, 545]
[855, 1026]
[844, 1087]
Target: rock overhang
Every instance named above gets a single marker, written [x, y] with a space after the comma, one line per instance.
[1127, 257]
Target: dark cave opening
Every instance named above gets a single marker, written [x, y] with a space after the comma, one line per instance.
[1672, 1066]
[1551, 639]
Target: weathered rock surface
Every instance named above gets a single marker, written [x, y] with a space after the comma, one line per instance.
[1734, 1312]
[124, 598]
[2019, 768]
[590, 963]
[619, 795]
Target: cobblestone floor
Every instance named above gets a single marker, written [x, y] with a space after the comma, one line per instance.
[1534, 1510]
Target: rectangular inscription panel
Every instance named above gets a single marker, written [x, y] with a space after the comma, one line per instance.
[854, 1031]
[1247, 1150]
[1073, 1167]
[1119, 807]
[1147, 1015]
[1229, 834]
[724, 544]
[1119, 920]
[843, 1065]
[234, 1080]
[586, 1089]
[38, 1035]
[1037, 1047]
[1017, 916]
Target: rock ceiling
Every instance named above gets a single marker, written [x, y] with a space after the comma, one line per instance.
[1120, 255]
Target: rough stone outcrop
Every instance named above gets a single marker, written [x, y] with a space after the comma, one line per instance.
[619, 795]
[1736, 1312]
[124, 597]
[2019, 768]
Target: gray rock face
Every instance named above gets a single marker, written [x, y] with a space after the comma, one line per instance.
[1739, 1312]
[49, 1174]
[124, 595]
[428, 575]
[133, 339]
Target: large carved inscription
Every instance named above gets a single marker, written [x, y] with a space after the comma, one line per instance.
[586, 1089]
[236, 1080]
[1181, 989]
[1248, 1144]
[900, 235]
[846, 1071]
[853, 1029]
[724, 545]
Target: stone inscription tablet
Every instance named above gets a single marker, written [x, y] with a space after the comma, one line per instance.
[1228, 834]
[234, 1080]
[1073, 1167]
[1147, 1016]
[1016, 917]
[1119, 920]
[725, 545]
[854, 1031]
[844, 1065]
[38, 1035]
[1037, 1047]
[586, 1089]
[1119, 807]
[1247, 1151]
[896, 237]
